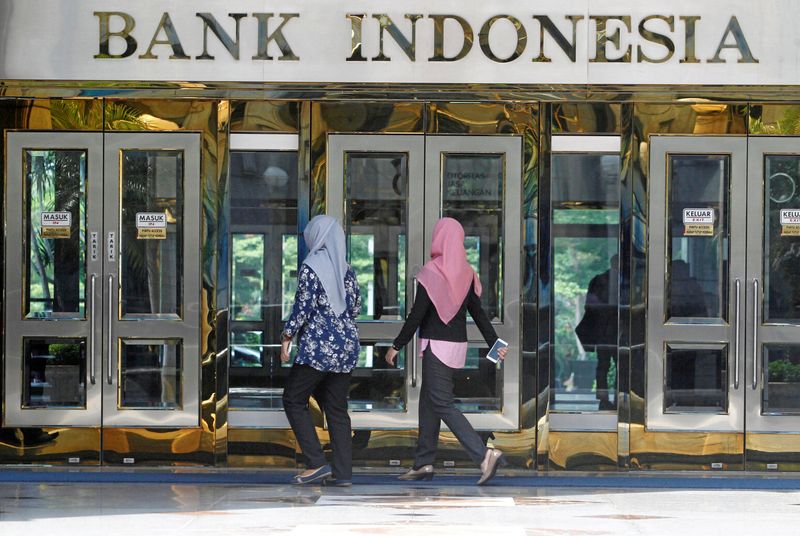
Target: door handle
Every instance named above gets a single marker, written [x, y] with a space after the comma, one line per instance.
[736, 321]
[755, 333]
[109, 326]
[414, 340]
[92, 361]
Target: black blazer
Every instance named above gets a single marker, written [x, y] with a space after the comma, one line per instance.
[423, 315]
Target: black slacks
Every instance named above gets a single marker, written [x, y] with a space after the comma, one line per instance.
[436, 405]
[330, 389]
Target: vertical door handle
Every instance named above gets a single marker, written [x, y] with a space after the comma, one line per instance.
[736, 321]
[413, 357]
[109, 326]
[755, 333]
[92, 363]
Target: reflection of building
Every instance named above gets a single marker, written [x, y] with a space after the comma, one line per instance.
[558, 142]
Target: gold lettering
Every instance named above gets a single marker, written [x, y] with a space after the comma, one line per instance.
[483, 38]
[356, 23]
[230, 45]
[546, 26]
[387, 25]
[739, 44]
[265, 38]
[171, 40]
[438, 37]
[655, 37]
[690, 53]
[602, 39]
[104, 18]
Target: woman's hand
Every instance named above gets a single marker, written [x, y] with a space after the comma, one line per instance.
[390, 355]
[502, 353]
[285, 343]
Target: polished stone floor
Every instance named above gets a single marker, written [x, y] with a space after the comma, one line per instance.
[122, 509]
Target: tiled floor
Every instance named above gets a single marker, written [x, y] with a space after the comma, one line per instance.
[232, 510]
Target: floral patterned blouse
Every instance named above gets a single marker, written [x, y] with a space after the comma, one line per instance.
[327, 343]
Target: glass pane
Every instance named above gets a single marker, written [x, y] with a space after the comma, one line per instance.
[781, 394]
[264, 243]
[376, 385]
[151, 245]
[472, 193]
[55, 241]
[697, 237]
[781, 239]
[248, 276]
[478, 387]
[54, 373]
[585, 274]
[150, 375]
[696, 380]
[376, 201]
[258, 370]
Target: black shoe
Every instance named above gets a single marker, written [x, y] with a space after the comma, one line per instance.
[317, 476]
[423, 473]
[606, 405]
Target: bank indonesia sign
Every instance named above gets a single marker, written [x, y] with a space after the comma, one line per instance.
[732, 42]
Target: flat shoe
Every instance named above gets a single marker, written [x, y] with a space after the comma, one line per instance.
[494, 459]
[318, 475]
[423, 473]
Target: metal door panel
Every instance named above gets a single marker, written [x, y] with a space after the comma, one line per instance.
[180, 328]
[706, 335]
[762, 334]
[384, 331]
[17, 327]
[437, 149]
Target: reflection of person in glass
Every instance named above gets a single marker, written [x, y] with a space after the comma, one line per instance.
[448, 288]
[685, 293]
[598, 327]
[326, 305]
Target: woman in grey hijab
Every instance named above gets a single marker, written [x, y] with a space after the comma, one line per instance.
[323, 317]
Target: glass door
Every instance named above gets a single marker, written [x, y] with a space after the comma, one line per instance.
[389, 190]
[102, 311]
[376, 189]
[53, 264]
[151, 282]
[477, 181]
[696, 308]
[773, 288]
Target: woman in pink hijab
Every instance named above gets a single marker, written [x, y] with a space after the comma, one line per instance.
[448, 289]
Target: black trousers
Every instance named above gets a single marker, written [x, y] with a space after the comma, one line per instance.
[330, 389]
[436, 405]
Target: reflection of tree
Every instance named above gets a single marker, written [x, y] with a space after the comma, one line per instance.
[56, 182]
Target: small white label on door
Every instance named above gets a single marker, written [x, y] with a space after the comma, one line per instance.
[151, 225]
[56, 224]
[790, 216]
[790, 222]
[151, 220]
[112, 246]
[698, 222]
[698, 215]
[94, 244]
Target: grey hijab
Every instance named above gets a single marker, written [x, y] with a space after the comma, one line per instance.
[326, 256]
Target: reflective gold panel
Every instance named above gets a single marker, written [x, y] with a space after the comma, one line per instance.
[264, 116]
[582, 451]
[774, 119]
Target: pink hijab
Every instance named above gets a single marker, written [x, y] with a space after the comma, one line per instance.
[448, 276]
